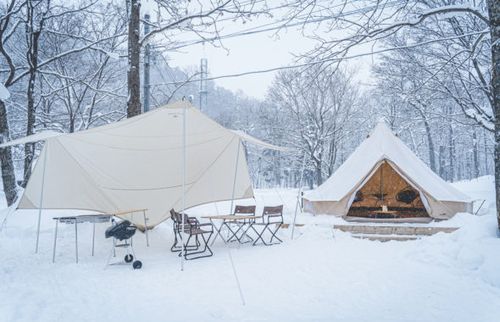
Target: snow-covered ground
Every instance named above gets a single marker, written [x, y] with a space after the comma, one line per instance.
[319, 276]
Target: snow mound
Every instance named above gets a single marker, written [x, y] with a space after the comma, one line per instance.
[469, 258]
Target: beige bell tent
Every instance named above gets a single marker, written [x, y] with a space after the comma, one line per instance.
[384, 178]
[140, 163]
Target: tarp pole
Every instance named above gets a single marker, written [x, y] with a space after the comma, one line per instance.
[184, 147]
[235, 175]
[298, 195]
[41, 197]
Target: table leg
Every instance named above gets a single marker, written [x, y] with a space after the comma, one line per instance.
[235, 234]
[76, 241]
[218, 230]
[146, 228]
[132, 238]
[55, 243]
[230, 231]
[93, 237]
[249, 224]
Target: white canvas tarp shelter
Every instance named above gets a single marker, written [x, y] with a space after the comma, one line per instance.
[138, 163]
[42, 136]
[335, 196]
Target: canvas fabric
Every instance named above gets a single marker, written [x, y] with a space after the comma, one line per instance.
[335, 195]
[137, 163]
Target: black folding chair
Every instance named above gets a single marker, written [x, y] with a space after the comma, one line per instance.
[192, 228]
[244, 210]
[270, 216]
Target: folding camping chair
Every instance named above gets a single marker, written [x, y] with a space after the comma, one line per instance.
[192, 228]
[242, 210]
[270, 216]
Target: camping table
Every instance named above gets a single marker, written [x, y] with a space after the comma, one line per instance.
[75, 220]
[240, 220]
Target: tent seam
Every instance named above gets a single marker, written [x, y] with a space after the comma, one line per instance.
[210, 166]
[90, 178]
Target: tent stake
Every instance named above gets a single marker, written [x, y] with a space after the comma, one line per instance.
[298, 195]
[41, 196]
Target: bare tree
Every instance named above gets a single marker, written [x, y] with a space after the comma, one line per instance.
[317, 106]
[369, 22]
[134, 56]
[494, 15]
[8, 26]
[85, 88]
[198, 18]
[22, 68]
[36, 15]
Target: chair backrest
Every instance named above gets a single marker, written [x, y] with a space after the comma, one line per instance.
[174, 215]
[177, 217]
[244, 210]
[277, 210]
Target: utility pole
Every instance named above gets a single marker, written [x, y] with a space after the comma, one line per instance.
[147, 57]
[203, 82]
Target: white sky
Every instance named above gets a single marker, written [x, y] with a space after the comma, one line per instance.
[253, 52]
[247, 53]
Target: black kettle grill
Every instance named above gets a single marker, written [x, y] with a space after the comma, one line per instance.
[123, 232]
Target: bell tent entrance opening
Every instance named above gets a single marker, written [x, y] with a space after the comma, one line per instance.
[387, 188]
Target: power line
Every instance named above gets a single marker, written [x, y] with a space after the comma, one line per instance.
[326, 60]
[187, 43]
[305, 21]
[272, 26]
[267, 10]
[251, 31]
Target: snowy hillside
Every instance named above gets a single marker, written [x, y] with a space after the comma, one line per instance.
[320, 276]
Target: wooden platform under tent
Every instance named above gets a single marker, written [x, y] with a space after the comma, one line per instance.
[387, 232]
[419, 220]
